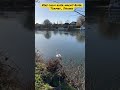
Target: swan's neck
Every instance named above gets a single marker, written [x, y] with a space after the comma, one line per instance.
[57, 52]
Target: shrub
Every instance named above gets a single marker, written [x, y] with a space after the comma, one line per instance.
[39, 83]
[59, 75]
[53, 65]
[9, 74]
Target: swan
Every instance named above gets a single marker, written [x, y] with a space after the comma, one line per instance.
[57, 54]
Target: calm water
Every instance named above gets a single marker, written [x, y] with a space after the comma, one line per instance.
[103, 54]
[17, 42]
[69, 44]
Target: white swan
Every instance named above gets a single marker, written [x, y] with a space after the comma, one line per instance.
[57, 54]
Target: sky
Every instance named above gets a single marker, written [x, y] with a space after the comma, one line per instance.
[43, 13]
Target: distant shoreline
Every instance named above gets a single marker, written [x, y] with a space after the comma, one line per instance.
[65, 29]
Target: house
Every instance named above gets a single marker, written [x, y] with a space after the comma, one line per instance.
[66, 25]
[73, 24]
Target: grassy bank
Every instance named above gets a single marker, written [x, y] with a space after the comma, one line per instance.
[53, 74]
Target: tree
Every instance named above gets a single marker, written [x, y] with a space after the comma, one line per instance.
[47, 23]
[80, 21]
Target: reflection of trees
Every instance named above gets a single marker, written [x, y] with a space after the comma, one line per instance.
[73, 33]
[55, 32]
[47, 34]
[106, 29]
[109, 30]
[66, 33]
[80, 36]
[61, 32]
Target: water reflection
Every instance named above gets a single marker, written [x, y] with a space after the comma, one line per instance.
[55, 32]
[79, 35]
[109, 31]
[102, 57]
[47, 35]
[105, 28]
[71, 44]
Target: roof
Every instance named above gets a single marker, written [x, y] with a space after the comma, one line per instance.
[73, 23]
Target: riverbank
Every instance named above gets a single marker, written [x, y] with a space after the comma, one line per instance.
[53, 74]
[60, 29]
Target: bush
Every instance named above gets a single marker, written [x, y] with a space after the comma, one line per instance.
[9, 74]
[53, 65]
[55, 73]
[39, 83]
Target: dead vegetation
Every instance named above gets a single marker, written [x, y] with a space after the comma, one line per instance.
[60, 75]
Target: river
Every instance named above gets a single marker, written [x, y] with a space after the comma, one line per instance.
[71, 45]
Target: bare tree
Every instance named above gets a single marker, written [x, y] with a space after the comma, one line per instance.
[80, 21]
[75, 74]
